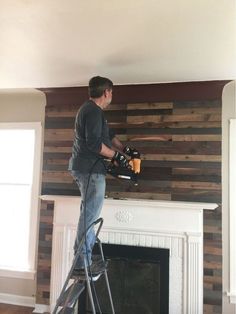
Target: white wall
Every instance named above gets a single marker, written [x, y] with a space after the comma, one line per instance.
[229, 112]
[23, 105]
[52, 43]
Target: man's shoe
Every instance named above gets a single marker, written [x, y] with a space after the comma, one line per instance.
[98, 267]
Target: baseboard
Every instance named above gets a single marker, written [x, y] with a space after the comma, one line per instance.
[17, 299]
[41, 308]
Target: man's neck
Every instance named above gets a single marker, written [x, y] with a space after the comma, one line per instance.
[98, 102]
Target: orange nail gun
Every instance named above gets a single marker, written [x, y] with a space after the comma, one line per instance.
[130, 173]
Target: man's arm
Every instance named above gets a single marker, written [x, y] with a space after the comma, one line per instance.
[109, 152]
[116, 157]
[106, 151]
[116, 143]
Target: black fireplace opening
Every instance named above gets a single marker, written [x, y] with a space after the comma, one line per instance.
[139, 281]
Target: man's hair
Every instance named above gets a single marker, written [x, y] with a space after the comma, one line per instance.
[97, 86]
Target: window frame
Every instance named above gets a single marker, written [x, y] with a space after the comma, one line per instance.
[35, 192]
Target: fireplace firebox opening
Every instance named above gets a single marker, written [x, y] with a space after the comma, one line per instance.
[139, 281]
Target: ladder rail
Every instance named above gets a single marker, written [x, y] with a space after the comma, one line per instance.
[87, 279]
[106, 278]
[98, 221]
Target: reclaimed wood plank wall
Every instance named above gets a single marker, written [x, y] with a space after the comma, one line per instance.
[177, 129]
[180, 143]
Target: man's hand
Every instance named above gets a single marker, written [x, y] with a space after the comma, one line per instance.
[132, 152]
[121, 160]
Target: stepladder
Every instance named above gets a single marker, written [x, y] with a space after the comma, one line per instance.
[76, 282]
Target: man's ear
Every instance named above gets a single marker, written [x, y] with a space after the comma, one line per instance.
[106, 92]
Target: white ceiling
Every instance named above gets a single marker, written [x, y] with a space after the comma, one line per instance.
[51, 43]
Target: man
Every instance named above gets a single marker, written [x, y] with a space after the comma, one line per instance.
[93, 141]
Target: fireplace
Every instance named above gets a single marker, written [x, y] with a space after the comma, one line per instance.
[173, 226]
[139, 280]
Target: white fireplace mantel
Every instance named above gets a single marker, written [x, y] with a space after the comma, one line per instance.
[177, 226]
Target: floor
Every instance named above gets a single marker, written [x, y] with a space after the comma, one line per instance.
[14, 309]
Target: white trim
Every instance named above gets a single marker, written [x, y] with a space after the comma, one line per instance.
[19, 125]
[149, 203]
[41, 308]
[34, 216]
[17, 299]
[24, 274]
[232, 209]
[177, 226]
[232, 297]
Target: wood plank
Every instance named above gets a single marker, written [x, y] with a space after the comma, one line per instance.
[212, 229]
[180, 164]
[58, 134]
[205, 103]
[158, 125]
[56, 161]
[118, 116]
[174, 131]
[195, 195]
[196, 185]
[180, 157]
[56, 176]
[115, 107]
[170, 147]
[149, 106]
[212, 250]
[169, 137]
[174, 118]
[198, 110]
[196, 171]
[57, 149]
[142, 137]
[15, 309]
[150, 196]
[213, 265]
[211, 309]
[66, 110]
[198, 137]
[200, 178]
[60, 123]
[150, 112]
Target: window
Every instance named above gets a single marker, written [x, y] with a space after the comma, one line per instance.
[19, 186]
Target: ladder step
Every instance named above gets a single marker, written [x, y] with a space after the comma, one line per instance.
[67, 310]
[72, 293]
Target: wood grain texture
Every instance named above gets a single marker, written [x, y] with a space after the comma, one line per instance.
[15, 309]
[187, 136]
[177, 129]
